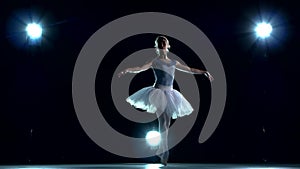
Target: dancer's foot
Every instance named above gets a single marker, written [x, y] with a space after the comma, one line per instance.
[164, 161]
[164, 157]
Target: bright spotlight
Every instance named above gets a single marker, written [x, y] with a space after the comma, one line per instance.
[263, 30]
[34, 31]
[153, 138]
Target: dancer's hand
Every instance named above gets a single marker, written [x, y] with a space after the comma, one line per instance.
[122, 73]
[207, 74]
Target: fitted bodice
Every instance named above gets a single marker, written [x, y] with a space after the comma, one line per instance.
[164, 72]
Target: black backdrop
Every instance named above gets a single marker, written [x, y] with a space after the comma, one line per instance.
[38, 123]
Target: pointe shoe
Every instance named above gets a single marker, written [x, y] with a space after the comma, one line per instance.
[164, 161]
[164, 158]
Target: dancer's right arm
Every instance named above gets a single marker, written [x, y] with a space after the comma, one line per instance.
[136, 69]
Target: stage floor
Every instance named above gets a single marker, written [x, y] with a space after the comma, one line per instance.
[157, 166]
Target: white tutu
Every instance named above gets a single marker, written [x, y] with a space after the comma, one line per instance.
[162, 99]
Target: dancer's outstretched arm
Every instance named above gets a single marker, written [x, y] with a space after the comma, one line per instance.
[136, 69]
[187, 69]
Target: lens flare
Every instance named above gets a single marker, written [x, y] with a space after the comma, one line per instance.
[153, 138]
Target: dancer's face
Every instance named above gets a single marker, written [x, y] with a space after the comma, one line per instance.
[164, 45]
[167, 46]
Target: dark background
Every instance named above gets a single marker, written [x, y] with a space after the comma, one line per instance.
[260, 124]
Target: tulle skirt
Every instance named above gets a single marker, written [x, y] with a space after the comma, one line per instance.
[161, 99]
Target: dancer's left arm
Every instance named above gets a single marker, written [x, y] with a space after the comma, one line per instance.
[187, 69]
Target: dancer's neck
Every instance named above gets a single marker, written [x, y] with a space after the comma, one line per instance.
[163, 56]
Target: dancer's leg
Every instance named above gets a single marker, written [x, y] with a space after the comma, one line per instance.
[164, 123]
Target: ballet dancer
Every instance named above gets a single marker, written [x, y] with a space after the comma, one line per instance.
[161, 98]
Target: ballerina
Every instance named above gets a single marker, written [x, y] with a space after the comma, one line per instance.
[161, 98]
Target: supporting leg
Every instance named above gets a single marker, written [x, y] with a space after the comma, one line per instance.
[164, 123]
